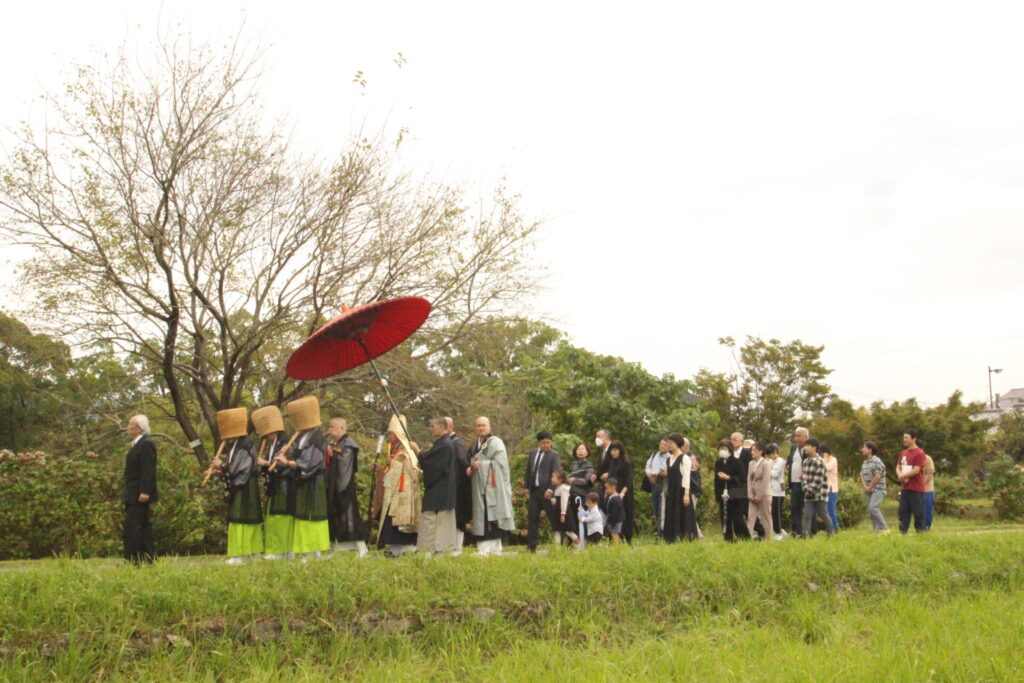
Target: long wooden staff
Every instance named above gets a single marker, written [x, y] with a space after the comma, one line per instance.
[209, 470]
[273, 465]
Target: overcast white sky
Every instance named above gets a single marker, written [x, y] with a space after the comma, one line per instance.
[848, 175]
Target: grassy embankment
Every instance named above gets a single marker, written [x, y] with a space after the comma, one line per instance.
[945, 606]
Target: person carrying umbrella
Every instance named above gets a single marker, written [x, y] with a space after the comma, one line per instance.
[400, 507]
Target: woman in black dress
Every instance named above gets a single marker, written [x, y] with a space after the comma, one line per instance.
[677, 505]
[620, 468]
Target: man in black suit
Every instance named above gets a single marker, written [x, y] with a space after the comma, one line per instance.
[139, 492]
[744, 454]
[464, 497]
[440, 492]
[540, 464]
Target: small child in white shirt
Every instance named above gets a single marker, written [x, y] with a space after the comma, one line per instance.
[561, 503]
[593, 518]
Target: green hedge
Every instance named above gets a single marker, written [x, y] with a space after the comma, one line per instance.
[72, 506]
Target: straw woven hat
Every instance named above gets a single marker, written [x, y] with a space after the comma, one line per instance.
[233, 423]
[267, 420]
[305, 413]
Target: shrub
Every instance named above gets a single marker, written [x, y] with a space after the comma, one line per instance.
[1006, 485]
[72, 506]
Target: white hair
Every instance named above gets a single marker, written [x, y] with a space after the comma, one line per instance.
[142, 422]
[802, 430]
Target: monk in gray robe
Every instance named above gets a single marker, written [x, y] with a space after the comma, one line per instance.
[493, 515]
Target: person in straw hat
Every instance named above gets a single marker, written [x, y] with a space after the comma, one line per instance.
[492, 490]
[279, 522]
[241, 485]
[400, 507]
[306, 457]
[345, 522]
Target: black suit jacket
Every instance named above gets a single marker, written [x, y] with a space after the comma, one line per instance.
[439, 476]
[550, 462]
[140, 472]
[745, 455]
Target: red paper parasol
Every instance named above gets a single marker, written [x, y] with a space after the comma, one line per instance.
[358, 336]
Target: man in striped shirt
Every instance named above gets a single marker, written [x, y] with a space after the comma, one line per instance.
[815, 485]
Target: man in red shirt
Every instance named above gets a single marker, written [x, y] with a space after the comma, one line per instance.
[910, 470]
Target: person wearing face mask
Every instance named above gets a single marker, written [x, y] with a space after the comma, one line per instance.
[620, 468]
[724, 452]
[733, 474]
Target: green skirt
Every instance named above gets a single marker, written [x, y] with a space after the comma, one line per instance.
[244, 539]
[279, 533]
[310, 536]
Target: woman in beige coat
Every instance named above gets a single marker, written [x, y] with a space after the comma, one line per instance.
[759, 491]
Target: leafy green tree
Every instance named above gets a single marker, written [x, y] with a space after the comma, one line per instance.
[171, 222]
[775, 387]
[950, 432]
[31, 366]
[1008, 438]
[530, 375]
[50, 400]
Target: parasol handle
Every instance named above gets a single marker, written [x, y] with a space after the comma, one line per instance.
[273, 465]
[384, 385]
[209, 470]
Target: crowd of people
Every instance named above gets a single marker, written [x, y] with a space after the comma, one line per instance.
[297, 497]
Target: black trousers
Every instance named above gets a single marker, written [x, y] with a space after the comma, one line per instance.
[777, 514]
[796, 507]
[690, 521]
[911, 503]
[736, 519]
[138, 534]
[534, 505]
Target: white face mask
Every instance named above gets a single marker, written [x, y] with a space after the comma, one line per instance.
[722, 453]
[598, 442]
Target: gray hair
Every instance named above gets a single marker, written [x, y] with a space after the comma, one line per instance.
[802, 430]
[142, 422]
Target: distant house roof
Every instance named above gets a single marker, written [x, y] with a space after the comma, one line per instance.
[1011, 397]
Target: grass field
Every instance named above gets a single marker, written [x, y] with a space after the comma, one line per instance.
[945, 606]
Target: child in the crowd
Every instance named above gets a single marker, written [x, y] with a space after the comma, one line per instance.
[616, 510]
[593, 518]
[561, 504]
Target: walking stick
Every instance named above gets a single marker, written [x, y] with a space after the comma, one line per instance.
[579, 514]
[209, 470]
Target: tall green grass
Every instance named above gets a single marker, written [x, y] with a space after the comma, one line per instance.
[858, 607]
